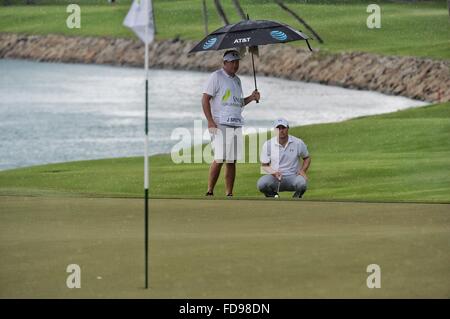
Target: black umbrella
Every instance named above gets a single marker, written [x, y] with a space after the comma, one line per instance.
[249, 33]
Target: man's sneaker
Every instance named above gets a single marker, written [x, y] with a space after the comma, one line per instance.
[298, 195]
[209, 194]
[230, 195]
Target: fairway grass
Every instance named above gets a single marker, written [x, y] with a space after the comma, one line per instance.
[398, 157]
[415, 29]
[222, 249]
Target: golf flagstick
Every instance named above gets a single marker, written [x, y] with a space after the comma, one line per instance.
[146, 161]
[140, 16]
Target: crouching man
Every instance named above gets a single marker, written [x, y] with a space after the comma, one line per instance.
[280, 160]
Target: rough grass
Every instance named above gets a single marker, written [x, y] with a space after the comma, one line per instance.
[417, 29]
[401, 156]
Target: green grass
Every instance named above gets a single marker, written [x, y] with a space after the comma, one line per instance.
[401, 156]
[417, 29]
[222, 249]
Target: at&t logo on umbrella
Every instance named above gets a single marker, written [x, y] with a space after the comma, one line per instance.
[209, 43]
[242, 40]
[278, 35]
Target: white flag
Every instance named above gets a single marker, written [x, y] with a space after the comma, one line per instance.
[140, 17]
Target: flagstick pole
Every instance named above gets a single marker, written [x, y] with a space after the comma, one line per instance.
[146, 159]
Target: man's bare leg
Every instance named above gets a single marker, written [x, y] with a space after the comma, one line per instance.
[230, 174]
[214, 172]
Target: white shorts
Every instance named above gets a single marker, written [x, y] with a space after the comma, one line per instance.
[227, 143]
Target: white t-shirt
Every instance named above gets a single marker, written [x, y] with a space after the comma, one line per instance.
[227, 100]
[284, 159]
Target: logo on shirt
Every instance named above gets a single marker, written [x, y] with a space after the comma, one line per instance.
[238, 101]
[235, 101]
[226, 96]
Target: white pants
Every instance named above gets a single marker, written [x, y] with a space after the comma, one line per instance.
[227, 143]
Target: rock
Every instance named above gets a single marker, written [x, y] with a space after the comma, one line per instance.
[412, 77]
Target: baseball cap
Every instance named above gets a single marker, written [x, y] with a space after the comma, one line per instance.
[231, 56]
[280, 121]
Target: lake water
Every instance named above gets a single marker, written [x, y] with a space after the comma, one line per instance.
[54, 112]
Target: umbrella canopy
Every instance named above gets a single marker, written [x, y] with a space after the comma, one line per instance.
[249, 33]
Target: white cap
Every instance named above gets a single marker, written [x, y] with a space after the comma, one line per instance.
[232, 56]
[280, 121]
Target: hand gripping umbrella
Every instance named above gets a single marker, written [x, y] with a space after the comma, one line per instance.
[249, 33]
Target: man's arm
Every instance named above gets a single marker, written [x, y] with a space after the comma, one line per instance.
[253, 97]
[305, 166]
[266, 160]
[269, 170]
[207, 110]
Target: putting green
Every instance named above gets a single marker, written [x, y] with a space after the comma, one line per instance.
[222, 248]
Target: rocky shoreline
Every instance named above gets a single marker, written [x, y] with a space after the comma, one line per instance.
[417, 78]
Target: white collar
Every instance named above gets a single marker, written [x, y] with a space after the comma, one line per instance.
[227, 75]
[289, 141]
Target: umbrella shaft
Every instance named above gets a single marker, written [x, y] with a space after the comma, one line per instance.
[254, 72]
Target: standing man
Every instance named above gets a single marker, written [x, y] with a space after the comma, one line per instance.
[223, 102]
[280, 160]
